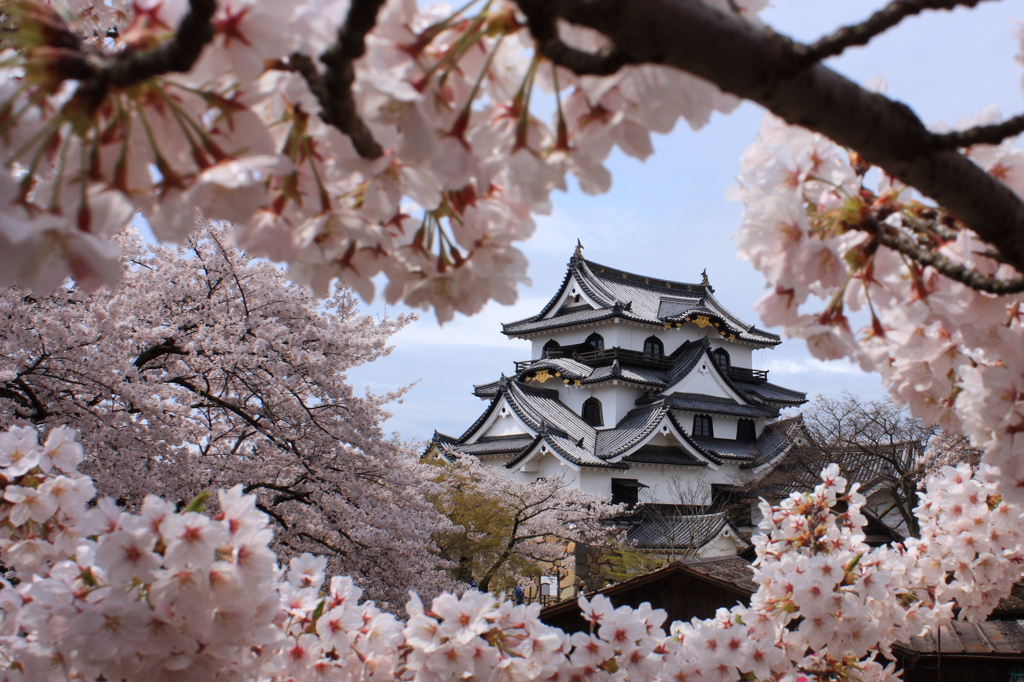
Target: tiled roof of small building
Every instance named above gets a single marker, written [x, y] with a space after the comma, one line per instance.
[640, 299]
[679, 531]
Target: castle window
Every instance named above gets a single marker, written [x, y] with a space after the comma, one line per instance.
[654, 346]
[626, 491]
[595, 341]
[592, 412]
[721, 357]
[745, 430]
[551, 349]
[702, 426]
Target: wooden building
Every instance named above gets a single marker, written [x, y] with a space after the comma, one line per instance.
[991, 651]
[688, 588]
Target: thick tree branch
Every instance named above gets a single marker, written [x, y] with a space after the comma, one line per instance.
[879, 22]
[544, 29]
[744, 59]
[334, 88]
[166, 347]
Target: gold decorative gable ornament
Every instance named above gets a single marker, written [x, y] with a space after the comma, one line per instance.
[703, 321]
[540, 377]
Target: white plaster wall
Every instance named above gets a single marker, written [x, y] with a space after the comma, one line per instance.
[726, 544]
[616, 400]
[505, 426]
[724, 427]
[705, 382]
[657, 478]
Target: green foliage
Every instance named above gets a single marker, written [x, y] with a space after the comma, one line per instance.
[482, 534]
[627, 562]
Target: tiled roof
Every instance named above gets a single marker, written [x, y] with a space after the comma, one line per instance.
[685, 358]
[664, 454]
[638, 298]
[695, 402]
[772, 394]
[623, 372]
[673, 530]
[728, 449]
[498, 445]
[486, 390]
[570, 369]
[962, 638]
[775, 440]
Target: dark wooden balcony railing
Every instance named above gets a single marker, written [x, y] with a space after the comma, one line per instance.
[744, 374]
[599, 358]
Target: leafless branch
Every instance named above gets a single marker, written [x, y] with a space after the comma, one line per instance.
[988, 134]
[879, 22]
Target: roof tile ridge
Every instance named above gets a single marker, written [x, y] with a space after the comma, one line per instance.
[647, 429]
[643, 281]
[525, 390]
[483, 417]
[592, 286]
[524, 452]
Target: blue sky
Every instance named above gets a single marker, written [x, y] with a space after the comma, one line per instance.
[668, 217]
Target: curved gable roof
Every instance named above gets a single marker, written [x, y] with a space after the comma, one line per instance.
[638, 298]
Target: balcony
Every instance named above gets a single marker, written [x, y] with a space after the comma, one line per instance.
[601, 358]
[757, 376]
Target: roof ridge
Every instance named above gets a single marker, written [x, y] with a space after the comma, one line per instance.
[645, 281]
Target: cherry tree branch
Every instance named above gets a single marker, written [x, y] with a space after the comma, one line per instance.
[746, 60]
[177, 55]
[879, 22]
[544, 29]
[335, 86]
[892, 238]
[987, 134]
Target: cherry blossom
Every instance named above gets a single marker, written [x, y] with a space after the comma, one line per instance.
[122, 605]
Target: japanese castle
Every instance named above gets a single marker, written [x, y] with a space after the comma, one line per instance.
[635, 382]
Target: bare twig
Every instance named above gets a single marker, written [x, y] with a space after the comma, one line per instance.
[988, 134]
[879, 22]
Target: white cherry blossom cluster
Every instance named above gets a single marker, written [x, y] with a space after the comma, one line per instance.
[170, 593]
[952, 353]
[446, 93]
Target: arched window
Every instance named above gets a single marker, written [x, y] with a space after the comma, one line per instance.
[592, 412]
[654, 346]
[702, 426]
[550, 349]
[745, 430]
[721, 357]
[595, 341]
